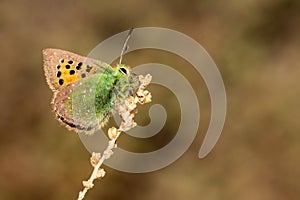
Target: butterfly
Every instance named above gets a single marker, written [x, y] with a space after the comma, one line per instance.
[86, 91]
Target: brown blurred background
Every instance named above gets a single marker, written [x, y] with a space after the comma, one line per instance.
[256, 46]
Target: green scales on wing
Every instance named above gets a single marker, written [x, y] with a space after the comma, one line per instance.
[86, 104]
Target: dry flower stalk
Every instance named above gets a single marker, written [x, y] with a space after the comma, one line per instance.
[126, 111]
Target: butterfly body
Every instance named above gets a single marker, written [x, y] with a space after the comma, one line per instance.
[85, 90]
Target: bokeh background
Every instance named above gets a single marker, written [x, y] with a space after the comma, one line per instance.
[256, 46]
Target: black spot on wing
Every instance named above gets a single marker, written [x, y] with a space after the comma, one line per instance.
[58, 74]
[61, 81]
[88, 68]
[78, 67]
[72, 72]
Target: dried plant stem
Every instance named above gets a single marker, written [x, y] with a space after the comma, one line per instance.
[126, 111]
[98, 172]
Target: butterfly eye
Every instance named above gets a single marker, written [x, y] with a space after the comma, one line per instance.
[123, 70]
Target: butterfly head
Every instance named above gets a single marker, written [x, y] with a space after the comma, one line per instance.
[122, 70]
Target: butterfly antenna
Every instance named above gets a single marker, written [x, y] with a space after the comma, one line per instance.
[125, 46]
